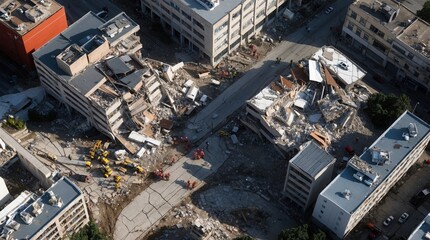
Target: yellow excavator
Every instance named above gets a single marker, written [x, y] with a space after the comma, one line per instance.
[107, 171]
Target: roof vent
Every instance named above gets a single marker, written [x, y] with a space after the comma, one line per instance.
[57, 202]
[427, 236]
[413, 131]
[359, 176]
[379, 156]
[347, 194]
[37, 208]
[26, 217]
[209, 4]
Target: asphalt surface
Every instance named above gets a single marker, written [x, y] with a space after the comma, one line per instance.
[296, 46]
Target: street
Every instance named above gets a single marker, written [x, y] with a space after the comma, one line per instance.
[296, 46]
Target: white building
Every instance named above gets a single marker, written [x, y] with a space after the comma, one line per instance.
[213, 28]
[422, 231]
[57, 213]
[4, 192]
[308, 173]
[368, 178]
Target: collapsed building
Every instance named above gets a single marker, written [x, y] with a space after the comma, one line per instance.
[307, 104]
[95, 68]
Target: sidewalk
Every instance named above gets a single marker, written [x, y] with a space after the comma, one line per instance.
[153, 203]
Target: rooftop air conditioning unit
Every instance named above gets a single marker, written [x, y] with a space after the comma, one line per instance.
[347, 194]
[26, 217]
[413, 131]
[359, 176]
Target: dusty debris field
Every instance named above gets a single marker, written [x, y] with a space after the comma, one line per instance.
[243, 196]
[240, 197]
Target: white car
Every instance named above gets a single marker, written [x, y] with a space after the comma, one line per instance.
[329, 10]
[403, 218]
[388, 220]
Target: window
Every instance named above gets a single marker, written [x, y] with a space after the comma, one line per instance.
[221, 27]
[235, 15]
[176, 17]
[247, 6]
[186, 15]
[362, 21]
[175, 6]
[350, 26]
[199, 34]
[358, 32]
[373, 29]
[366, 37]
[195, 22]
[353, 14]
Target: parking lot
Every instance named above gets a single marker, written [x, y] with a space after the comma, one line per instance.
[397, 202]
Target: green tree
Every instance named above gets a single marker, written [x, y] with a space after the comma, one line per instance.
[424, 13]
[89, 232]
[303, 232]
[384, 109]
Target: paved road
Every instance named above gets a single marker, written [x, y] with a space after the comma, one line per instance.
[154, 202]
[295, 47]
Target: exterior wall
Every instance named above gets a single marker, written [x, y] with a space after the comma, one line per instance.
[214, 41]
[67, 94]
[19, 48]
[72, 218]
[368, 34]
[410, 65]
[339, 222]
[4, 192]
[303, 189]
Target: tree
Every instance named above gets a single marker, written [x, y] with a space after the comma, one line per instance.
[424, 13]
[89, 232]
[303, 232]
[384, 109]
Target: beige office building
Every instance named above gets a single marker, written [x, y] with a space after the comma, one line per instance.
[213, 28]
[392, 36]
[56, 214]
[308, 173]
[368, 178]
[95, 68]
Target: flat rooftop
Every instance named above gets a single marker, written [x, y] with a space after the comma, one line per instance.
[85, 28]
[214, 15]
[63, 188]
[21, 10]
[421, 230]
[378, 10]
[333, 58]
[417, 36]
[312, 159]
[392, 141]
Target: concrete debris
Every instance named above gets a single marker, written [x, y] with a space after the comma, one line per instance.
[288, 113]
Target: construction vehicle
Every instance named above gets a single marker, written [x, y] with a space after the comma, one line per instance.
[123, 170]
[105, 153]
[104, 161]
[127, 162]
[117, 186]
[117, 178]
[88, 164]
[107, 171]
[223, 133]
[140, 169]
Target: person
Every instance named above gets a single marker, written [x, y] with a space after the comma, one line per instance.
[279, 39]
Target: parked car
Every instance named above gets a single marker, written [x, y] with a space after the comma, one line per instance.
[388, 220]
[403, 218]
[378, 78]
[329, 10]
[419, 198]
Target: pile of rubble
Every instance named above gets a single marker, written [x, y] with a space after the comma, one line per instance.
[293, 110]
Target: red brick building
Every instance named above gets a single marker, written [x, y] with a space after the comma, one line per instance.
[26, 25]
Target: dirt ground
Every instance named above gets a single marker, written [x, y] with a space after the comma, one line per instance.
[244, 174]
